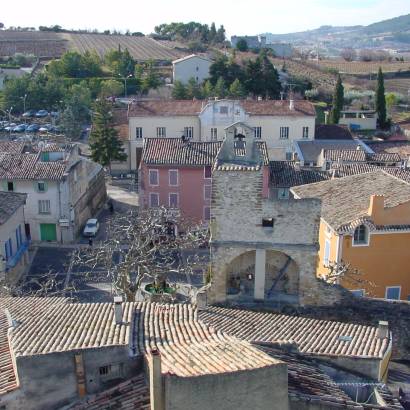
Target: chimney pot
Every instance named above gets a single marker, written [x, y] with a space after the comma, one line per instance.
[201, 301]
[156, 381]
[291, 104]
[118, 309]
[383, 329]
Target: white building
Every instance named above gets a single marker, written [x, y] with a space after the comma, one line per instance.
[63, 189]
[193, 66]
[359, 119]
[278, 123]
[13, 241]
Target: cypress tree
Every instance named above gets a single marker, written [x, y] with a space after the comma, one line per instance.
[337, 102]
[381, 100]
[104, 142]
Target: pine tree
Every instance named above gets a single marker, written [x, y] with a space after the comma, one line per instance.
[337, 103]
[207, 89]
[104, 142]
[220, 88]
[381, 100]
[179, 91]
[193, 90]
[236, 90]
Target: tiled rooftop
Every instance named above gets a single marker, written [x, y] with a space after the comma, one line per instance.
[22, 308]
[175, 151]
[313, 336]
[332, 132]
[401, 148]
[30, 166]
[286, 174]
[358, 155]
[194, 107]
[130, 395]
[10, 202]
[344, 200]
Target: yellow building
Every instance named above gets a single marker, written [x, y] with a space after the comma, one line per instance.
[365, 223]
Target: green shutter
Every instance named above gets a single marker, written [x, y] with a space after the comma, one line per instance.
[48, 232]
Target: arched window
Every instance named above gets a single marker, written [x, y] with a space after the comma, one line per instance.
[361, 235]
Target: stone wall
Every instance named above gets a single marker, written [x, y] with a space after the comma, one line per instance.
[258, 389]
[237, 211]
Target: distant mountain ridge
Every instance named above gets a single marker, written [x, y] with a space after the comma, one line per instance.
[379, 34]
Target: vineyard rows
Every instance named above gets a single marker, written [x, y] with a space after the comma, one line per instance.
[141, 48]
[359, 67]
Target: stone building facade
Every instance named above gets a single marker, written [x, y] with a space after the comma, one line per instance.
[262, 249]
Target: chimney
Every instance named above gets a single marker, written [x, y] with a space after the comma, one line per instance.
[291, 104]
[156, 388]
[376, 209]
[118, 310]
[383, 329]
[201, 301]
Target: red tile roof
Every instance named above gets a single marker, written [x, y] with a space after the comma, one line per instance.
[29, 166]
[312, 336]
[194, 107]
[174, 151]
[130, 395]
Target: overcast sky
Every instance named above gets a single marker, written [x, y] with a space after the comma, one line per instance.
[238, 16]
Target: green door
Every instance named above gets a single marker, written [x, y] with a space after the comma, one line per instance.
[48, 232]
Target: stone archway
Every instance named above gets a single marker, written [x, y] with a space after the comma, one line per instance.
[278, 275]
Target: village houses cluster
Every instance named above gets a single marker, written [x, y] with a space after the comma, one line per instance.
[287, 203]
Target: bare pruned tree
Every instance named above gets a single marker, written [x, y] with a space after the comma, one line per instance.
[338, 272]
[153, 246]
[348, 54]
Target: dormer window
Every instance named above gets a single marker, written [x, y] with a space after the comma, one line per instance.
[267, 222]
[361, 235]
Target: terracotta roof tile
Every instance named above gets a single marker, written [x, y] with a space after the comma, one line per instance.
[132, 394]
[313, 336]
[175, 151]
[10, 202]
[29, 166]
[285, 174]
[344, 200]
[399, 147]
[194, 107]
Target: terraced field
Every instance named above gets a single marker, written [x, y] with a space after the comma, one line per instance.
[53, 45]
[141, 48]
[359, 67]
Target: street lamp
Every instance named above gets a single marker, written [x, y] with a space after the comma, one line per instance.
[125, 83]
[24, 105]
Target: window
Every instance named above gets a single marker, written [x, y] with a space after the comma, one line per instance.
[284, 133]
[10, 186]
[161, 132]
[189, 132]
[44, 206]
[105, 370]
[358, 292]
[361, 236]
[393, 292]
[214, 134]
[8, 247]
[258, 132]
[283, 193]
[223, 109]
[111, 371]
[207, 192]
[305, 132]
[173, 177]
[207, 213]
[326, 255]
[42, 186]
[173, 200]
[138, 132]
[45, 156]
[197, 68]
[153, 200]
[207, 172]
[267, 222]
[153, 177]
[289, 156]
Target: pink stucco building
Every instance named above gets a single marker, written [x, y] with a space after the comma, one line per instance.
[177, 174]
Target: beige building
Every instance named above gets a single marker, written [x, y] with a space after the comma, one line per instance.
[13, 241]
[278, 123]
[193, 66]
[359, 119]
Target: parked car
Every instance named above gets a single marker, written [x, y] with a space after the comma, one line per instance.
[29, 113]
[33, 128]
[91, 228]
[41, 113]
[10, 126]
[45, 128]
[20, 128]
